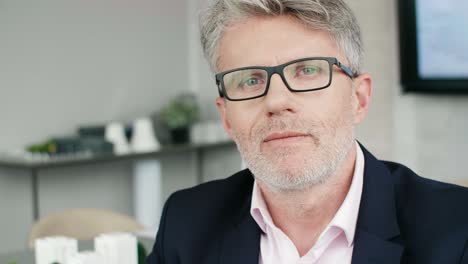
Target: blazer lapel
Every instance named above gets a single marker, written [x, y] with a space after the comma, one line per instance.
[377, 227]
[242, 241]
[369, 248]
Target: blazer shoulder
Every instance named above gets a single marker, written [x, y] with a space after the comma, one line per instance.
[434, 202]
[405, 176]
[231, 191]
[432, 216]
[201, 214]
[194, 219]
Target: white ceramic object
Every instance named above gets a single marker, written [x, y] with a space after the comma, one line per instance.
[115, 133]
[144, 139]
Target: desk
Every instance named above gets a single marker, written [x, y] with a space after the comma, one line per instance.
[27, 256]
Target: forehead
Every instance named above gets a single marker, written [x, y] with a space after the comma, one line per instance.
[267, 41]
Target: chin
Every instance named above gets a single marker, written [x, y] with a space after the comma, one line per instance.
[292, 183]
[287, 157]
[284, 176]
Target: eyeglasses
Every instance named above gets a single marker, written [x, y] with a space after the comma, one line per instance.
[302, 75]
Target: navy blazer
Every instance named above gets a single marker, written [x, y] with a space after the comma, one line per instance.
[403, 218]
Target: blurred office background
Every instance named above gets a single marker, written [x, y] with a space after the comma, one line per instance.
[77, 62]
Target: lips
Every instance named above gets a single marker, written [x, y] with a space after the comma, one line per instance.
[284, 135]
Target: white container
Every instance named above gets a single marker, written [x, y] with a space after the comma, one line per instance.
[115, 133]
[144, 139]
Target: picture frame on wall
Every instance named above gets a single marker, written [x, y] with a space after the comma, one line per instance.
[433, 46]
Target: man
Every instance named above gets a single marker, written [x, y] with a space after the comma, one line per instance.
[291, 92]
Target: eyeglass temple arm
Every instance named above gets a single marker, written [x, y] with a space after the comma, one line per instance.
[347, 70]
[218, 84]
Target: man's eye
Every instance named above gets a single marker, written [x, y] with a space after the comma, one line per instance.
[308, 70]
[251, 82]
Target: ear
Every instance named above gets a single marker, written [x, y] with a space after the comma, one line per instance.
[221, 105]
[362, 96]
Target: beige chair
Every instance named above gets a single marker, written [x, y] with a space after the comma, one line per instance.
[82, 224]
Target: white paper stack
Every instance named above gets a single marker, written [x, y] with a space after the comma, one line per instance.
[55, 249]
[86, 257]
[117, 248]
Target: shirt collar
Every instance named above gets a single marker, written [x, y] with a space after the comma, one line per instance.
[344, 219]
[259, 210]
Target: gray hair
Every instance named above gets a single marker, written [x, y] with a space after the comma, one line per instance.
[332, 16]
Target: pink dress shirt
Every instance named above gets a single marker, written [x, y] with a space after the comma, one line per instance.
[335, 244]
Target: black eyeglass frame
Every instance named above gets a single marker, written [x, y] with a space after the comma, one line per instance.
[279, 70]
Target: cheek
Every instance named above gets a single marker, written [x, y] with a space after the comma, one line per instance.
[331, 113]
[323, 108]
[326, 104]
[241, 119]
[343, 103]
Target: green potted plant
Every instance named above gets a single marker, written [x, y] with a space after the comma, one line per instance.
[179, 115]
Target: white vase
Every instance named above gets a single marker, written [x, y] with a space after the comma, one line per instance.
[144, 139]
[115, 133]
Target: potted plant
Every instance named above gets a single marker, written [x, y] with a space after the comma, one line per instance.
[179, 115]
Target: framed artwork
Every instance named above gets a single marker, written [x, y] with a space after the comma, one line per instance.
[434, 45]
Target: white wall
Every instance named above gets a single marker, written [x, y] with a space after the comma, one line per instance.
[70, 62]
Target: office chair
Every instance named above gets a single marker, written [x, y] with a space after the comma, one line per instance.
[82, 224]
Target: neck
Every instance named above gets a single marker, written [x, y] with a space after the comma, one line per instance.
[303, 214]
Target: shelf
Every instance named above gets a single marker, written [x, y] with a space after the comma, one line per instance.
[64, 161]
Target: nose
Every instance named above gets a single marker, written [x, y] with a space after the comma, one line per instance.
[279, 99]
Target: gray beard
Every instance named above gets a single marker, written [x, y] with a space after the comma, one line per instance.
[316, 167]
